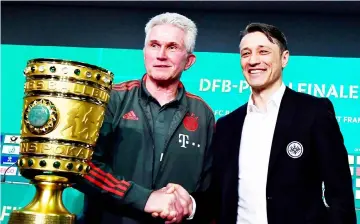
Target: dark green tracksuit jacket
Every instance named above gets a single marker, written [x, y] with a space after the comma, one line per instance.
[128, 164]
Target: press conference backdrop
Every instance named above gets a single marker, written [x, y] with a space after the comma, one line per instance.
[216, 77]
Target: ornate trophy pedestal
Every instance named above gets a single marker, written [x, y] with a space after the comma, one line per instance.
[47, 205]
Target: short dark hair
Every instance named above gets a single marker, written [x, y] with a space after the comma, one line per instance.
[270, 31]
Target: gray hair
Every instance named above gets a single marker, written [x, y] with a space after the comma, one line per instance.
[177, 20]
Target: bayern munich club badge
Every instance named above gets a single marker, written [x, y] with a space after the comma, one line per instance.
[191, 122]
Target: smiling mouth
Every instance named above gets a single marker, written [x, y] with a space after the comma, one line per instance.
[256, 71]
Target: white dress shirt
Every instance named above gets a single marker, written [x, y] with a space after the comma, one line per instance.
[255, 146]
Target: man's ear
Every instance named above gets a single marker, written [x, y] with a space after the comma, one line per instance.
[285, 58]
[190, 61]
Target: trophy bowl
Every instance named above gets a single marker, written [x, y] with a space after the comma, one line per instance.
[64, 107]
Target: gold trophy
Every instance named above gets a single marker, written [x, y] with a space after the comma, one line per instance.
[64, 107]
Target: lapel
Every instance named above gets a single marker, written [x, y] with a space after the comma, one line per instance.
[236, 135]
[284, 120]
[232, 172]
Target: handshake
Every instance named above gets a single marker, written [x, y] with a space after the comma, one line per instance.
[171, 203]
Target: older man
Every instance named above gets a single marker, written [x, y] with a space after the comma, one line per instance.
[154, 132]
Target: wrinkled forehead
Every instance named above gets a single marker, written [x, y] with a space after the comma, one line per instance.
[256, 40]
[167, 34]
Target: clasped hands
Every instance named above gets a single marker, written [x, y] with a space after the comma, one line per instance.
[171, 203]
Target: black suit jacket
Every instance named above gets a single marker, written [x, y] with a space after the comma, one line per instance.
[294, 185]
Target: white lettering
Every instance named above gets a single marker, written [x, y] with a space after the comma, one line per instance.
[184, 139]
[323, 90]
[342, 95]
[221, 112]
[208, 84]
[353, 92]
[301, 87]
[215, 84]
[351, 120]
[290, 85]
[332, 92]
[226, 86]
[6, 210]
[338, 118]
[309, 88]
[243, 86]
[319, 92]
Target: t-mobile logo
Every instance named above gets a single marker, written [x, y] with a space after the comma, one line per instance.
[184, 140]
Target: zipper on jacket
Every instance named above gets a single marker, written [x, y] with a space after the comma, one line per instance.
[161, 165]
[153, 144]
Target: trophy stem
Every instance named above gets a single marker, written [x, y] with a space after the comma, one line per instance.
[47, 205]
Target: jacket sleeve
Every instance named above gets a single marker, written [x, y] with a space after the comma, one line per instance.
[208, 199]
[334, 165]
[101, 181]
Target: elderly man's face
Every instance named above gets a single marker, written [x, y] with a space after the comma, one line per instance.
[165, 53]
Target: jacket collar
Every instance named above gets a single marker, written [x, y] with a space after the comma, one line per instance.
[273, 102]
[146, 96]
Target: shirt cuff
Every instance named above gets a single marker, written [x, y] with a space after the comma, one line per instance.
[193, 209]
[137, 196]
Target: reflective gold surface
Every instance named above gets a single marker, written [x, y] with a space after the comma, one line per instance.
[53, 164]
[66, 87]
[77, 120]
[63, 110]
[46, 206]
[58, 149]
[69, 69]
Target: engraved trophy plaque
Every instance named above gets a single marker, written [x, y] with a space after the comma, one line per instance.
[63, 110]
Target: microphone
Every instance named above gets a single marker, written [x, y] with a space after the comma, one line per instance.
[4, 175]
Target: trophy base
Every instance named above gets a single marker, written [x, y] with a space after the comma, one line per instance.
[20, 217]
[47, 206]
